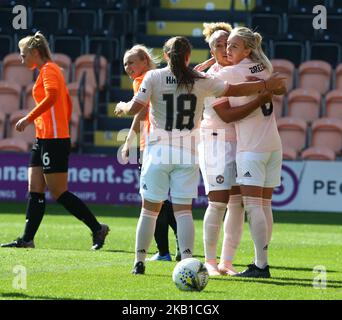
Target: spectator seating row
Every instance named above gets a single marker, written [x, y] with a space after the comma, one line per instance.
[13, 71]
[323, 138]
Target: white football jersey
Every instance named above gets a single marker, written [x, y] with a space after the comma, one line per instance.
[211, 120]
[258, 131]
[173, 112]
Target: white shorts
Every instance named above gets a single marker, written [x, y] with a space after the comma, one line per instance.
[262, 169]
[217, 163]
[157, 179]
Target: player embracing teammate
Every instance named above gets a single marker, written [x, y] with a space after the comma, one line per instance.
[177, 97]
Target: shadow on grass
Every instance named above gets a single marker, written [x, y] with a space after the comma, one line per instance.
[281, 281]
[110, 211]
[22, 296]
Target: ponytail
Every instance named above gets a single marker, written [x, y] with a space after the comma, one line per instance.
[178, 49]
[38, 42]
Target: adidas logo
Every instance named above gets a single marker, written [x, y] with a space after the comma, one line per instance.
[141, 251]
[145, 186]
[247, 175]
[187, 251]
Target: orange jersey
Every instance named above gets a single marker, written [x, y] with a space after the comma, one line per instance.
[136, 85]
[52, 113]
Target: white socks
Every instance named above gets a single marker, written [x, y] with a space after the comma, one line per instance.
[144, 234]
[212, 223]
[267, 206]
[258, 227]
[233, 227]
[185, 233]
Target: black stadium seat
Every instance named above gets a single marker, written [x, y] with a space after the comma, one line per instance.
[267, 24]
[82, 21]
[327, 51]
[6, 45]
[71, 45]
[46, 20]
[107, 47]
[290, 50]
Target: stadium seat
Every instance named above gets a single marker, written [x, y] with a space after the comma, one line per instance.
[9, 97]
[74, 129]
[290, 50]
[292, 132]
[327, 132]
[107, 47]
[267, 24]
[116, 23]
[14, 71]
[300, 27]
[330, 52]
[2, 124]
[305, 6]
[82, 21]
[6, 45]
[278, 106]
[289, 153]
[87, 63]
[28, 101]
[286, 68]
[72, 45]
[277, 6]
[28, 135]
[333, 102]
[338, 81]
[6, 17]
[304, 104]
[318, 153]
[89, 99]
[64, 61]
[316, 75]
[46, 20]
[14, 145]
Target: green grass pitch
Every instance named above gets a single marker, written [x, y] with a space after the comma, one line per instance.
[62, 266]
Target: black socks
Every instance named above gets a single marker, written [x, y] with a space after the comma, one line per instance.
[34, 214]
[78, 208]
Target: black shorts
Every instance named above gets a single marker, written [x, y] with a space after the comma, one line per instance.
[51, 154]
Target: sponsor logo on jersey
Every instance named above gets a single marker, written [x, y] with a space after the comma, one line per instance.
[219, 179]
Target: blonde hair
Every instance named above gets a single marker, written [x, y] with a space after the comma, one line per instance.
[143, 53]
[38, 42]
[210, 28]
[252, 41]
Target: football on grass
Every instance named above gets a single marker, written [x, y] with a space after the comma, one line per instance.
[190, 275]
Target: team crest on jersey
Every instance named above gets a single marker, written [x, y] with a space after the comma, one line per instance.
[219, 179]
